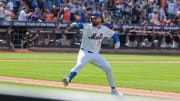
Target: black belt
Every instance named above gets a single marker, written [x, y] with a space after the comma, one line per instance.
[86, 50]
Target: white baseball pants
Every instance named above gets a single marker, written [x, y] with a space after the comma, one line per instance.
[94, 58]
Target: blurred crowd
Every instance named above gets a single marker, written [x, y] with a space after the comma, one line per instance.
[158, 12]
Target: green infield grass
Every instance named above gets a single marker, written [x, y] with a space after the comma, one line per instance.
[43, 56]
[152, 76]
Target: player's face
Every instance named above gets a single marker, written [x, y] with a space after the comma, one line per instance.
[96, 21]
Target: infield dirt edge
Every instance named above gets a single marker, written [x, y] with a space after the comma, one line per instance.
[78, 86]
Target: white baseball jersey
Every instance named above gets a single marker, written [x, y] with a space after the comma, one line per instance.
[92, 37]
[91, 41]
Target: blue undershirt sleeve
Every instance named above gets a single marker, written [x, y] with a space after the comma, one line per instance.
[80, 26]
[116, 37]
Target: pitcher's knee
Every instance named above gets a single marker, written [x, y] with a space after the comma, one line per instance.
[108, 69]
[79, 65]
[77, 68]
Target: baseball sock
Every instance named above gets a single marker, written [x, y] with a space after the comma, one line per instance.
[113, 87]
[71, 75]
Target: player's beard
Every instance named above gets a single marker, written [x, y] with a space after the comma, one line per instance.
[95, 24]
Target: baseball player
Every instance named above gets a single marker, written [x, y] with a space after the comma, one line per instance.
[92, 38]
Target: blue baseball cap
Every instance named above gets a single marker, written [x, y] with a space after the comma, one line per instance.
[96, 15]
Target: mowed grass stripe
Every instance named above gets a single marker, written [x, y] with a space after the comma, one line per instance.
[109, 57]
[75, 61]
[157, 76]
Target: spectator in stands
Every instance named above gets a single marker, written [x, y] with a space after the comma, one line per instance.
[155, 18]
[60, 14]
[1, 11]
[177, 20]
[108, 18]
[35, 5]
[48, 16]
[3, 1]
[163, 4]
[66, 15]
[29, 4]
[10, 4]
[138, 3]
[119, 9]
[130, 3]
[129, 22]
[55, 11]
[103, 3]
[35, 16]
[120, 22]
[163, 21]
[83, 11]
[15, 7]
[171, 9]
[72, 9]
[177, 9]
[141, 20]
[162, 14]
[128, 10]
[136, 14]
[57, 3]
[125, 18]
[78, 17]
[96, 2]
[144, 14]
[170, 22]
[22, 4]
[150, 9]
[49, 4]
[103, 11]
[135, 20]
[8, 14]
[24, 15]
[42, 6]
[143, 4]
[110, 6]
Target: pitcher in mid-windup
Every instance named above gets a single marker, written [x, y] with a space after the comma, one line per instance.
[92, 38]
